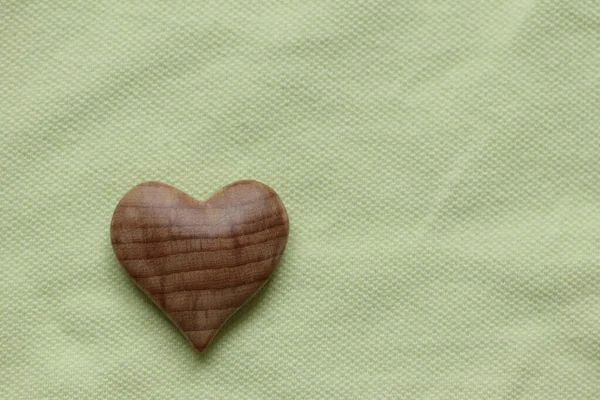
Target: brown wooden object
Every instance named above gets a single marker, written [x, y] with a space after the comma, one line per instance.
[199, 261]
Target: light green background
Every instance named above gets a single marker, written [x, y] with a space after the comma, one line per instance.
[440, 162]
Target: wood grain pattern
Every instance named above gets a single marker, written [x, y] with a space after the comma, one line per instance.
[199, 261]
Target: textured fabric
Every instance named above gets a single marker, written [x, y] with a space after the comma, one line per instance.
[440, 162]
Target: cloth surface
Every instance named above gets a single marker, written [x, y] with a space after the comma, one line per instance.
[439, 161]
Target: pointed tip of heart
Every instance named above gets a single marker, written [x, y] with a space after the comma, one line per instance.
[200, 339]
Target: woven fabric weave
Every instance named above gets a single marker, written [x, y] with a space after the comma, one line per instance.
[439, 160]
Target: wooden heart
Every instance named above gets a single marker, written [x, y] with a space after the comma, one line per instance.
[199, 261]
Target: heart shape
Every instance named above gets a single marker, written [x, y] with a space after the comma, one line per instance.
[199, 261]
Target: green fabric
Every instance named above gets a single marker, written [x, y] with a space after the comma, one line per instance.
[439, 160]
